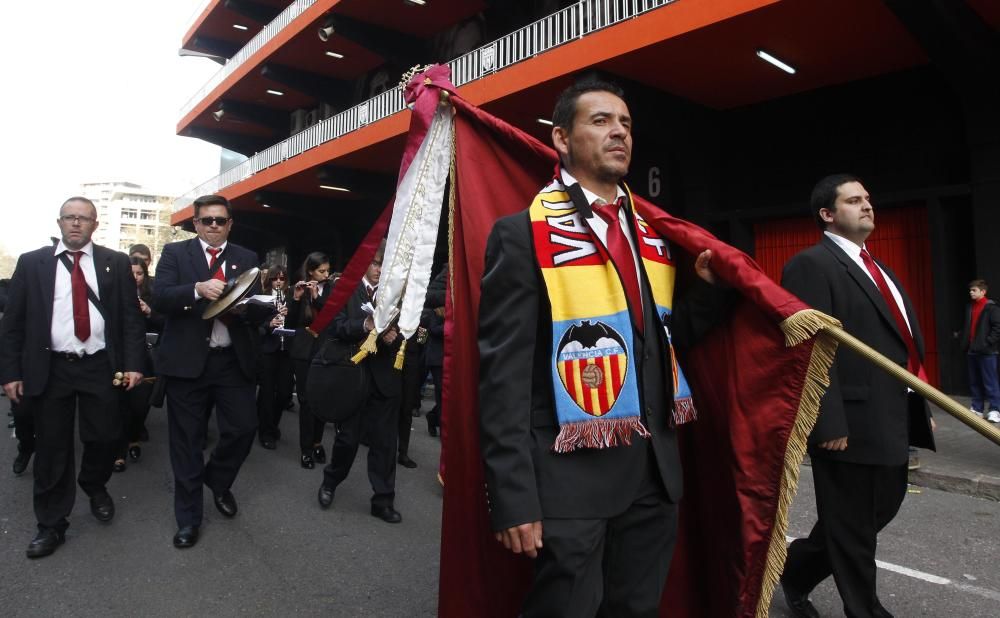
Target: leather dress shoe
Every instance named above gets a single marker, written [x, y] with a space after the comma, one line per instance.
[135, 452]
[307, 461]
[387, 514]
[405, 461]
[21, 461]
[45, 542]
[186, 536]
[325, 496]
[102, 507]
[268, 443]
[319, 454]
[798, 603]
[225, 502]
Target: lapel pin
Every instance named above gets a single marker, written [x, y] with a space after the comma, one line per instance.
[233, 267]
[107, 269]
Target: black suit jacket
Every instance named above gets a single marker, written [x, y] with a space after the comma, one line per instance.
[304, 346]
[183, 346]
[26, 328]
[863, 403]
[525, 479]
[349, 327]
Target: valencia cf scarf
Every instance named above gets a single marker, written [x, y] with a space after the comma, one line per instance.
[594, 373]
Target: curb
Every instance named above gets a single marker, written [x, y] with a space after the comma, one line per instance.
[979, 486]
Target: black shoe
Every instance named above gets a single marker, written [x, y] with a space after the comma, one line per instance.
[432, 431]
[268, 443]
[225, 502]
[798, 602]
[307, 461]
[186, 536]
[325, 496]
[102, 507]
[119, 465]
[405, 461]
[44, 543]
[319, 454]
[21, 461]
[387, 514]
[135, 452]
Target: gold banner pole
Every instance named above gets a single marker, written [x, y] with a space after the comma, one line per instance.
[930, 393]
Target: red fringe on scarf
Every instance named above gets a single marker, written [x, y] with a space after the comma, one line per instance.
[598, 433]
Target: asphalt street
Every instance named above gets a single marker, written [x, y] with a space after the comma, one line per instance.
[282, 555]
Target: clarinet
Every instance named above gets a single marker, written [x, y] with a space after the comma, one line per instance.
[279, 302]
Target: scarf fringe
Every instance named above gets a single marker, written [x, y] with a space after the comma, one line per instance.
[684, 410]
[797, 328]
[598, 433]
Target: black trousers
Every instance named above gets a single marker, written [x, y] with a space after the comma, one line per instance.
[275, 387]
[414, 372]
[434, 416]
[378, 421]
[310, 427]
[83, 384]
[135, 405]
[854, 502]
[607, 567]
[188, 404]
[24, 426]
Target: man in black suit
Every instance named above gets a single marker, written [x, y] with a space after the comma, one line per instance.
[72, 322]
[205, 363]
[608, 516]
[378, 419]
[859, 446]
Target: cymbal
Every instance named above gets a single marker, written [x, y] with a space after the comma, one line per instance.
[236, 290]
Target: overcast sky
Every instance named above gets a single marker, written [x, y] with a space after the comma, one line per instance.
[91, 91]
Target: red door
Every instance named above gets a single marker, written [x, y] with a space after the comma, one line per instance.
[900, 241]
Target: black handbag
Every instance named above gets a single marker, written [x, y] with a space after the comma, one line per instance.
[336, 388]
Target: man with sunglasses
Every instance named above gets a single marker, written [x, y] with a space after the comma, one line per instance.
[205, 363]
[71, 322]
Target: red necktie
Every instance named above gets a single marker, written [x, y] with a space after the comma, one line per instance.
[217, 274]
[81, 306]
[913, 363]
[621, 254]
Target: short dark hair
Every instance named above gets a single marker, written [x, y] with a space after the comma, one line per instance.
[979, 283]
[141, 249]
[80, 198]
[565, 109]
[212, 200]
[824, 194]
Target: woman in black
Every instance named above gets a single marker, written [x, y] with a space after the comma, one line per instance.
[307, 298]
[275, 367]
[135, 402]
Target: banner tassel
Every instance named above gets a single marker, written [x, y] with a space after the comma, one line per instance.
[400, 356]
[370, 346]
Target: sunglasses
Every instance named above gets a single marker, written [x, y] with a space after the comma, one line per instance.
[220, 221]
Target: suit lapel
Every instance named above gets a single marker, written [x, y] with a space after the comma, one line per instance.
[198, 260]
[865, 282]
[102, 268]
[47, 282]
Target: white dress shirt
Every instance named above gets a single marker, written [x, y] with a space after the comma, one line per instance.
[220, 333]
[854, 252]
[599, 225]
[63, 328]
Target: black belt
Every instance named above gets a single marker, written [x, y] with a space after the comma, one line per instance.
[219, 350]
[73, 356]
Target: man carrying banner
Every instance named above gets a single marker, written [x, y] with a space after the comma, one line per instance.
[579, 390]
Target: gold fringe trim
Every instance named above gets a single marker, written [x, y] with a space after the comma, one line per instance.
[400, 356]
[804, 324]
[797, 328]
[312, 332]
[452, 179]
[370, 346]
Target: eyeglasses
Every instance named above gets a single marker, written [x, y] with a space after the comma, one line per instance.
[220, 221]
[76, 219]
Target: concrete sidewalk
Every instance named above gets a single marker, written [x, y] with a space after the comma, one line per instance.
[965, 462]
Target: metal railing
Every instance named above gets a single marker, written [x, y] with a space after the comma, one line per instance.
[564, 26]
[267, 33]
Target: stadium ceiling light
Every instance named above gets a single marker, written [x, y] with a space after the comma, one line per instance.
[276, 93]
[219, 114]
[333, 188]
[333, 54]
[265, 205]
[415, 2]
[784, 66]
[240, 27]
[545, 121]
[327, 29]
